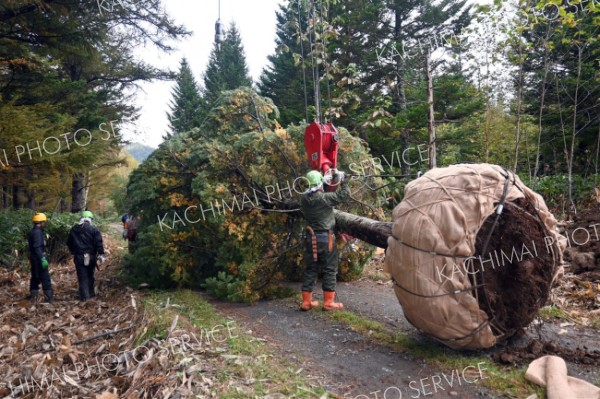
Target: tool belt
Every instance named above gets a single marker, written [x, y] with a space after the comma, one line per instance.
[322, 236]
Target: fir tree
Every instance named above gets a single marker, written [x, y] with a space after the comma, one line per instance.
[68, 68]
[227, 68]
[283, 81]
[186, 106]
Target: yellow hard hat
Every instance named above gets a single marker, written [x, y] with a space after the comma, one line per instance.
[39, 217]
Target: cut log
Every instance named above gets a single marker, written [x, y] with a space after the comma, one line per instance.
[365, 229]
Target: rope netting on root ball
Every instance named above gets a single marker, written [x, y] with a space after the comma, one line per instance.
[473, 254]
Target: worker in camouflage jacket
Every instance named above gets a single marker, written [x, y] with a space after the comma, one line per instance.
[85, 243]
[38, 257]
[317, 207]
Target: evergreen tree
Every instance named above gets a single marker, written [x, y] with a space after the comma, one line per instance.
[186, 105]
[283, 81]
[370, 59]
[227, 68]
[560, 89]
[380, 50]
[356, 72]
[69, 66]
[413, 27]
[562, 64]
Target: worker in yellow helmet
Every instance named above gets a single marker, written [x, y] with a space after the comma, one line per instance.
[38, 257]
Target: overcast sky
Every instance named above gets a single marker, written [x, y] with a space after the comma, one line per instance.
[256, 22]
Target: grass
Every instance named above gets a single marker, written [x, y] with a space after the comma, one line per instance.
[503, 380]
[553, 313]
[248, 358]
[374, 271]
[378, 276]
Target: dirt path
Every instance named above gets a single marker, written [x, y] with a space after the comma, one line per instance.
[353, 365]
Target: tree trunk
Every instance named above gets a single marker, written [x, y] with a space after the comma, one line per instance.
[6, 200]
[78, 193]
[401, 87]
[597, 156]
[86, 189]
[431, 119]
[371, 231]
[365, 229]
[29, 192]
[30, 200]
[488, 117]
[63, 205]
[572, 206]
[16, 197]
[536, 168]
[519, 115]
[520, 83]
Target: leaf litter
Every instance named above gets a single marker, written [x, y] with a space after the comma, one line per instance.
[73, 349]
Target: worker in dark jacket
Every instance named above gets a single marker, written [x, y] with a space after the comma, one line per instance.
[85, 243]
[317, 208]
[38, 257]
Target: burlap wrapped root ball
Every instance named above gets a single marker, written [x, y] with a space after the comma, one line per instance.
[450, 284]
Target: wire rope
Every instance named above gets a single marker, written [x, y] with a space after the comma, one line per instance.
[315, 64]
[327, 73]
[301, 37]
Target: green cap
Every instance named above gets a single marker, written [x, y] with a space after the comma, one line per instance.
[87, 214]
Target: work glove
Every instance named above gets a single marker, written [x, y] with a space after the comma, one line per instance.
[101, 260]
[338, 176]
[44, 263]
[334, 180]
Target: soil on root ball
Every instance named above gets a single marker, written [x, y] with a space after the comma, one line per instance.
[516, 268]
[537, 348]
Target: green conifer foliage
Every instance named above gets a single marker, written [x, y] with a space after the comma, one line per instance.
[186, 106]
[227, 68]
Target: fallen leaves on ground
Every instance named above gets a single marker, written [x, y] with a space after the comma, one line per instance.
[74, 349]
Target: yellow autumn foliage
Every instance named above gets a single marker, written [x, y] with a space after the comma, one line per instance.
[237, 174]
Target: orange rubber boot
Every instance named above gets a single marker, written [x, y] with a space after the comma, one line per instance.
[307, 302]
[328, 304]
